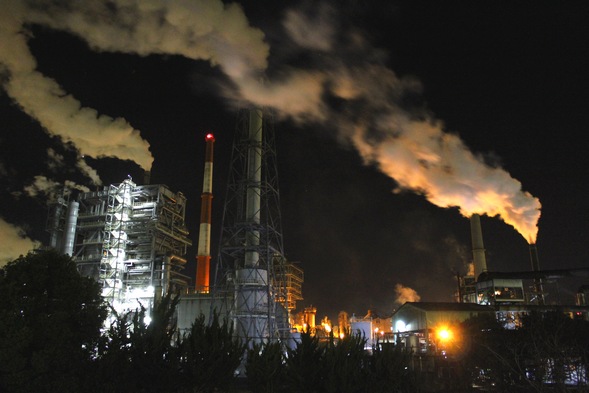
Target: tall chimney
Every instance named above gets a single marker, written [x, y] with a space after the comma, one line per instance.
[536, 267]
[478, 248]
[203, 259]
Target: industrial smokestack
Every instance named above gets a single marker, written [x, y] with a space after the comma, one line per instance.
[203, 259]
[478, 248]
[146, 178]
[536, 267]
[254, 179]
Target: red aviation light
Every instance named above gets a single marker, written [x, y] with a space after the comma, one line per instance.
[209, 137]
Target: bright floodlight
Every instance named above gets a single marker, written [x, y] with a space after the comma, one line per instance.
[444, 334]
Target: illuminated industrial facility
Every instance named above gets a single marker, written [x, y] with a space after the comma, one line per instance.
[133, 240]
[130, 238]
[502, 294]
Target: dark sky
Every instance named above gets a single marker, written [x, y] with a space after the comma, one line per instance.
[508, 79]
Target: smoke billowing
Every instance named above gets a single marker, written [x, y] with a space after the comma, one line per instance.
[344, 85]
[14, 242]
[94, 134]
[405, 294]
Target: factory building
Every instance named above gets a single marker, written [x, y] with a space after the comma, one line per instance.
[376, 329]
[130, 238]
[415, 323]
[133, 240]
[506, 295]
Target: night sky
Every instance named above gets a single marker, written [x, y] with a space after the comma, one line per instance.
[395, 121]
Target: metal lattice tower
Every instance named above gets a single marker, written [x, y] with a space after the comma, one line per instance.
[251, 264]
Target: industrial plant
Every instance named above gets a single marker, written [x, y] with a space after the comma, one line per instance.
[133, 239]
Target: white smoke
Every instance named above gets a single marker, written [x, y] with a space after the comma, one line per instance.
[408, 145]
[59, 113]
[13, 242]
[51, 189]
[88, 171]
[405, 294]
[370, 110]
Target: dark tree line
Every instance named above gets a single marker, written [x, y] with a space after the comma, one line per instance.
[548, 353]
[330, 366]
[52, 340]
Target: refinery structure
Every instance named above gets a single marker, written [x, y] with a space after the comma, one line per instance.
[133, 240]
[130, 238]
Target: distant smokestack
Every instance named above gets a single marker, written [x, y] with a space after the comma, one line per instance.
[146, 178]
[536, 267]
[203, 259]
[478, 248]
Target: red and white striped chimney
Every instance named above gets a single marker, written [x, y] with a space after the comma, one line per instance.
[203, 258]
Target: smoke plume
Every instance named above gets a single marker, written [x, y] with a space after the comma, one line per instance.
[370, 107]
[52, 189]
[344, 85]
[405, 294]
[13, 242]
[59, 113]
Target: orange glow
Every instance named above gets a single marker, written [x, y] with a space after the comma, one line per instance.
[444, 334]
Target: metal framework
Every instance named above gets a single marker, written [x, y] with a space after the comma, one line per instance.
[132, 240]
[251, 264]
[293, 282]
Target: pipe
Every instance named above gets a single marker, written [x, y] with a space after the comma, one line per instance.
[478, 248]
[70, 228]
[536, 267]
[203, 258]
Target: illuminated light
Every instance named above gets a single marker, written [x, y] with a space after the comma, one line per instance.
[147, 320]
[341, 336]
[209, 137]
[444, 334]
[400, 325]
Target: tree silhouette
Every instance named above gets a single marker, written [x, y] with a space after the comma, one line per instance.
[50, 321]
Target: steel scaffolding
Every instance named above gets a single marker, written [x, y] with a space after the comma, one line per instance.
[132, 240]
[251, 264]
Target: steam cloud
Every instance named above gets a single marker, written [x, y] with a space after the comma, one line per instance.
[14, 242]
[52, 189]
[346, 86]
[58, 112]
[405, 294]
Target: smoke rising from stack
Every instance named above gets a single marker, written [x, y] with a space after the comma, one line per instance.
[52, 189]
[345, 85]
[405, 294]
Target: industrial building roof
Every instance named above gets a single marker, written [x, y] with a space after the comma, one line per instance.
[447, 306]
